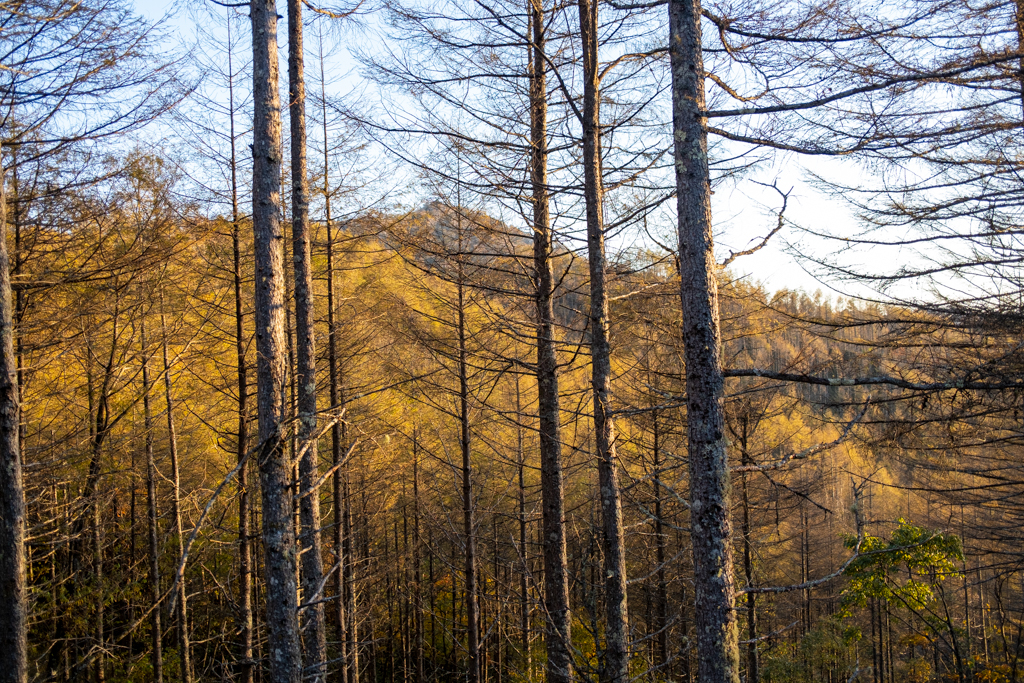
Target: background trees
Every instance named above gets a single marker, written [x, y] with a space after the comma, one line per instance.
[449, 333]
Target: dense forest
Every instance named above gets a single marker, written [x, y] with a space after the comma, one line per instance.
[447, 381]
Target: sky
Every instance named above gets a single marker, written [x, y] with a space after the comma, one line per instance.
[744, 211]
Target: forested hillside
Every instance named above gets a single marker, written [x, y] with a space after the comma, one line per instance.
[447, 382]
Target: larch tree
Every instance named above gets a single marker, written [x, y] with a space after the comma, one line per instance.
[615, 668]
[57, 57]
[314, 634]
[279, 543]
[557, 611]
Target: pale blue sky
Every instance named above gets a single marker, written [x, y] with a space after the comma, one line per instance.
[743, 213]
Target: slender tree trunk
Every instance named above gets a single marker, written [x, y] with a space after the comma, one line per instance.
[711, 533]
[98, 433]
[132, 513]
[496, 615]
[805, 565]
[275, 473]
[434, 650]
[181, 602]
[16, 262]
[876, 668]
[156, 656]
[350, 580]
[1018, 24]
[416, 568]
[314, 635]
[293, 415]
[524, 595]
[100, 661]
[456, 609]
[558, 617]
[468, 521]
[888, 642]
[615, 667]
[245, 569]
[753, 673]
[13, 591]
[337, 429]
[661, 603]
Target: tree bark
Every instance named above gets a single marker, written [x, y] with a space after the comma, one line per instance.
[156, 656]
[285, 663]
[558, 637]
[524, 596]
[468, 521]
[416, 568]
[349, 552]
[314, 635]
[13, 591]
[661, 603]
[615, 667]
[99, 411]
[245, 618]
[337, 429]
[711, 533]
[753, 673]
[181, 601]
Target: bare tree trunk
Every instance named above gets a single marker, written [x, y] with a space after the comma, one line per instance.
[100, 670]
[337, 450]
[156, 656]
[524, 596]
[13, 592]
[615, 667]
[337, 429]
[350, 585]
[711, 532]
[805, 566]
[661, 603]
[278, 533]
[314, 635]
[181, 602]
[753, 673]
[241, 445]
[465, 443]
[558, 637]
[98, 434]
[416, 568]
[402, 581]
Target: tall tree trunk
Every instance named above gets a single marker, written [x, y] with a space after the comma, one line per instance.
[406, 610]
[13, 592]
[314, 635]
[753, 673]
[434, 649]
[245, 569]
[100, 662]
[15, 263]
[711, 532]
[524, 595]
[156, 656]
[468, 521]
[181, 601]
[417, 576]
[275, 474]
[558, 637]
[350, 581]
[661, 603]
[99, 411]
[337, 429]
[805, 565]
[615, 668]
